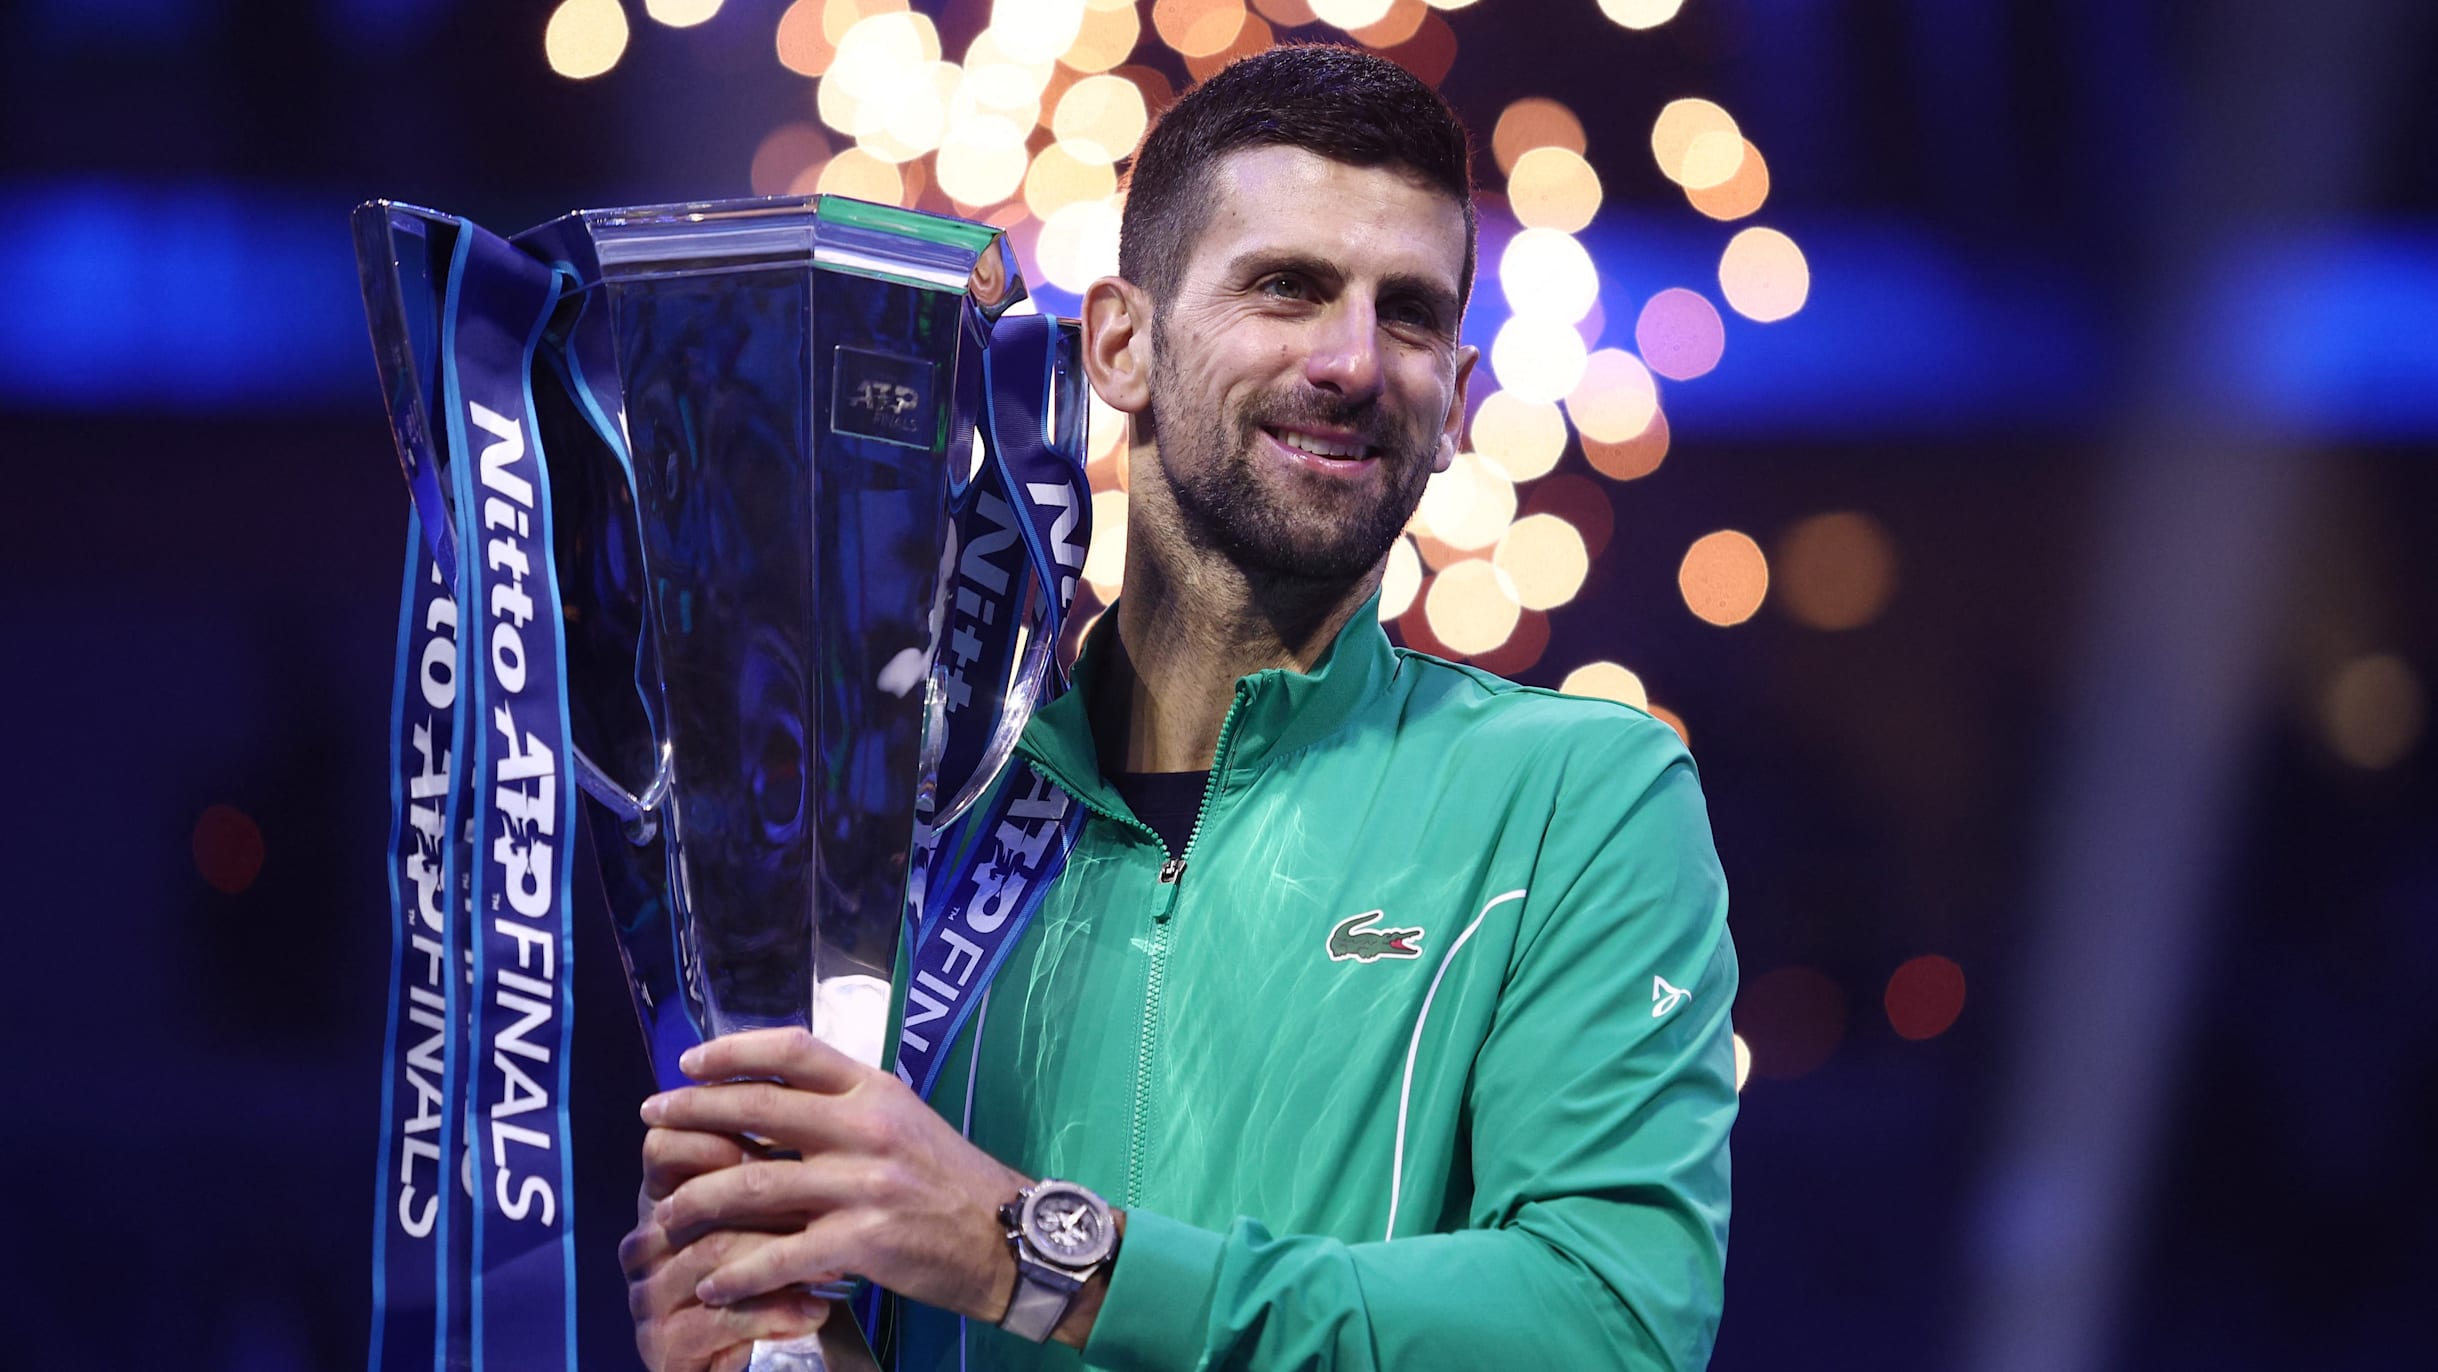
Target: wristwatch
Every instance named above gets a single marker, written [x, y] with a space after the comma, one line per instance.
[1061, 1234]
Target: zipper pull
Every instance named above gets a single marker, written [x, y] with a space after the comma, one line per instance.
[1171, 870]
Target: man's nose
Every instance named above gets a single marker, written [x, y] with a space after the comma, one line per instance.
[1345, 352]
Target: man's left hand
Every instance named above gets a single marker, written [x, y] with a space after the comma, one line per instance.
[882, 1188]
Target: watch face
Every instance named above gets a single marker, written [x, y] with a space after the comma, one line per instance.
[1068, 1225]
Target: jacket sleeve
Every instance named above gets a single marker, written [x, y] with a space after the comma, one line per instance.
[1598, 1128]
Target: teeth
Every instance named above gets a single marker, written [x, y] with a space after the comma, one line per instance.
[1319, 447]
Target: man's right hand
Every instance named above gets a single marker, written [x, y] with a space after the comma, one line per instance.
[674, 1331]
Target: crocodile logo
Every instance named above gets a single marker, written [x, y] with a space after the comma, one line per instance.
[1350, 940]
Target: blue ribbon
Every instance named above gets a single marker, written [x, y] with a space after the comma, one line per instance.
[523, 818]
[406, 1294]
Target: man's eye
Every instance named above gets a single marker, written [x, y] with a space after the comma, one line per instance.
[1285, 288]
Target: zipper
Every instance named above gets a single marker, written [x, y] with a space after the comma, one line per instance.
[1173, 870]
[1172, 874]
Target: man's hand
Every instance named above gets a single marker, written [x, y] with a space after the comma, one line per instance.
[674, 1330]
[883, 1187]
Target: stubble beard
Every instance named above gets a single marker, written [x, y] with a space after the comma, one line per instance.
[1296, 533]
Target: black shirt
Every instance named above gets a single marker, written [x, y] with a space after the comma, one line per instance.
[1166, 801]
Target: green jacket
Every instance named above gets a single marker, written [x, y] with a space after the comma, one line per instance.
[1422, 1062]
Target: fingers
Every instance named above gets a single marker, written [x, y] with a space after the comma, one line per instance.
[673, 1157]
[809, 1258]
[805, 1120]
[761, 1193]
[793, 1056]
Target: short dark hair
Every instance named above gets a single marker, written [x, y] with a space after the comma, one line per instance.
[1343, 103]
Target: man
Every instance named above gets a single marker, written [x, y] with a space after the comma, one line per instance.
[1386, 1001]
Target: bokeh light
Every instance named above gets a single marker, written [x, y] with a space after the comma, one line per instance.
[1000, 84]
[1724, 577]
[1680, 124]
[1579, 501]
[1538, 358]
[1548, 275]
[681, 14]
[1633, 458]
[2373, 712]
[1534, 122]
[1544, 559]
[1401, 21]
[805, 46]
[228, 848]
[983, 161]
[1110, 31]
[786, 155]
[859, 175]
[1924, 997]
[1836, 570]
[1078, 245]
[1614, 400]
[1197, 28]
[1680, 334]
[1401, 579]
[1523, 648]
[1470, 606]
[1467, 506]
[1794, 1018]
[1738, 195]
[1349, 14]
[1641, 14]
[1711, 159]
[1764, 275]
[1606, 681]
[1105, 558]
[1553, 188]
[1100, 118]
[584, 38]
[1519, 439]
[1036, 30]
[1057, 179]
[1743, 1062]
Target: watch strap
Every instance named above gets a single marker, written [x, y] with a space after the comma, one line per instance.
[1042, 1296]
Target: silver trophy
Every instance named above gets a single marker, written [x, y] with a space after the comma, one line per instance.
[768, 427]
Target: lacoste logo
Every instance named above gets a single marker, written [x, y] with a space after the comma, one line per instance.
[1665, 997]
[1350, 940]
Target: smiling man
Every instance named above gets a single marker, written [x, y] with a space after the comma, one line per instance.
[1380, 1016]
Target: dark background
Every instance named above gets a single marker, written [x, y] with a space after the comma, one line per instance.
[2123, 324]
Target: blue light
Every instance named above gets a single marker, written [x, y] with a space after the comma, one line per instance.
[193, 297]
[207, 297]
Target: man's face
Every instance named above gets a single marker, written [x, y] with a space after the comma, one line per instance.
[1306, 377]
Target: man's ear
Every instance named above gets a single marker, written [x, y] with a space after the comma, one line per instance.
[1117, 343]
[1451, 432]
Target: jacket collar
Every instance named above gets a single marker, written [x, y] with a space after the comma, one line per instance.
[1276, 712]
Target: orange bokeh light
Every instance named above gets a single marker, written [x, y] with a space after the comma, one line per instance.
[1534, 122]
[1724, 577]
[1197, 28]
[1403, 21]
[1924, 997]
[1634, 458]
[1738, 195]
[1836, 570]
[228, 848]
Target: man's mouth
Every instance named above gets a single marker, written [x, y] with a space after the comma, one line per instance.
[1328, 447]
